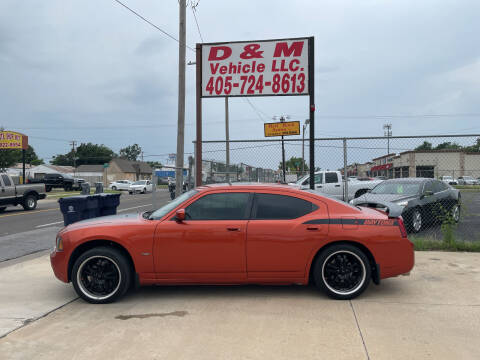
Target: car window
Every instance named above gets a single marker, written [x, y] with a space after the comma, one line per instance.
[397, 188]
[281, 207]
[319, 178]
[331, 177]
[439, 186]
[221, 206]
[6, 180]
[429, 187]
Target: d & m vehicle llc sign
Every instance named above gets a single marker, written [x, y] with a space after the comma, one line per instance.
[270, 67]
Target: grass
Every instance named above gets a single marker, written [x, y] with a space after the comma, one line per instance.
[428, 244]
[63, 194]
[467, 187]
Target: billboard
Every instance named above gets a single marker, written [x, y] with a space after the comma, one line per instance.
[13, 140]
[255, 68]
[282, 128]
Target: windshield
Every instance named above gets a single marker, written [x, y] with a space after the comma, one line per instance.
[302, 179]
[164, 210]
[397, 188]
[139, 182]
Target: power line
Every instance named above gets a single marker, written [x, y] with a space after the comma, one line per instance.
[151, 24]
[194, 9]
[254, 109]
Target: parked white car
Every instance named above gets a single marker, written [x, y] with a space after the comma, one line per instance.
[448, 180]
[141, 186]
[467, 180]
[330, 183]
[120, 185]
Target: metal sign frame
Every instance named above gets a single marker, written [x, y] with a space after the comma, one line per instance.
[199, 96]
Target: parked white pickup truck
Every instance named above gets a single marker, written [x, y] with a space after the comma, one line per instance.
[25, 195]
[330, 183]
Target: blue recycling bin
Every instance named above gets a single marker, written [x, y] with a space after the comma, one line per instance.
[108, 203]
[92, 207]
[72, 208]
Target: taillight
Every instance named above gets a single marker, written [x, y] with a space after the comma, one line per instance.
[401, 225]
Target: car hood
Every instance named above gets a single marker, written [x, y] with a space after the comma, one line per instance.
[123, 219]
[369, 197]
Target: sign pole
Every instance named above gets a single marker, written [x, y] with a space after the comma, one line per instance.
[311, 90]
[227, 140]
[23, 161]
[198, 143]
[283, 159]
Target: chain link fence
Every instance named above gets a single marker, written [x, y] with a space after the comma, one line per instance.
[448, 164]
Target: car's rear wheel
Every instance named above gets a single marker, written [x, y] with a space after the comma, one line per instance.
[101, 275]
[342, 271]
[30, 202]
[114, 188]
[48, 188]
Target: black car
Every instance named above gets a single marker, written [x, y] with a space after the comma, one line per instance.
[65, 181]
[423, 200]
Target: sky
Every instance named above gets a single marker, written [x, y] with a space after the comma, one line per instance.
[91, 71]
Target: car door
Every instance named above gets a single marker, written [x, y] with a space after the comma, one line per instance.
[443, 195]
[7, 188]
[209, 245]
[428, 201]
[279, 241]
[333, 185]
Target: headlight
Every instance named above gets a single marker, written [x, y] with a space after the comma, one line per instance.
[59, 243]
[403, 203]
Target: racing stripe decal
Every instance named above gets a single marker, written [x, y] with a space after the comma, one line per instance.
[373, 222]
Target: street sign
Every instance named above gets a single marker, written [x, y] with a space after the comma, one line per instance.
[256, 68]
[282, 128]
[13, 140]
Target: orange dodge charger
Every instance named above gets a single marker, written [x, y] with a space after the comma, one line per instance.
[235, 234]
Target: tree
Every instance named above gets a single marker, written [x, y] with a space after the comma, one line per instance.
[155, 164]
[425, 146]
[448, 146]
[131, 152]
[10, 157]
[473, 148]
[91, 154]
[294, 164]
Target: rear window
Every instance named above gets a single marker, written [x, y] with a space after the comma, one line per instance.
[281, 207]
[6, 180]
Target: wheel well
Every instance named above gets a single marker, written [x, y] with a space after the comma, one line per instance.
[96, 243]
[361, 247]
[360, 192]
[34, 193]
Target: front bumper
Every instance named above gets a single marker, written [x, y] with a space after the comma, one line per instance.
[59, 264]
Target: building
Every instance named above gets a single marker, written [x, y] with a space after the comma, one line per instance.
[122, 169]
[421, 163]
[38, 172]
[90, 173]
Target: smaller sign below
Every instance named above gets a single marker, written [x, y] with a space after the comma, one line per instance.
[282, 128]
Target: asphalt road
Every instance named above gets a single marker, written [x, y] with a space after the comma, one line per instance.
[15, 220]
[27, 232]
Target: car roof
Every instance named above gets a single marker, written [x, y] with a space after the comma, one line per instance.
[247, 185]
[409, 180]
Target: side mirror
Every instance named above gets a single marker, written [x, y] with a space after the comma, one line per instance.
[180, 215]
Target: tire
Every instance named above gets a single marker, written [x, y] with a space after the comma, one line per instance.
[114, 188]
[415, 223]
[48, 188]
[88, 275]
[342, 271]
[29, 202]
[456, 212]
[144, 191]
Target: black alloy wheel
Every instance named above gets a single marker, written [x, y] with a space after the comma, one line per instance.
[101, 275]
[342, 271]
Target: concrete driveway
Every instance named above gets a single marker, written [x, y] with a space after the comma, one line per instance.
[432, 314]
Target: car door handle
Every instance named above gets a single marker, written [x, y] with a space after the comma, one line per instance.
[312, 228]
[337, 185]
[233, 229]
[319, 186]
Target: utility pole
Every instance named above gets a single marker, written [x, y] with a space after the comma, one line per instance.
[181, 100]
[307, 121]
[227, 140]
[387, 131]
[74, 143]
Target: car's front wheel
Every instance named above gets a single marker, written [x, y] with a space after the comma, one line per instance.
[101, 275]
[342, 271]
[416, 220]
[30, 202]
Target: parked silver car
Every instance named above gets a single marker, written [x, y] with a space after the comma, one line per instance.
[467, 180]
